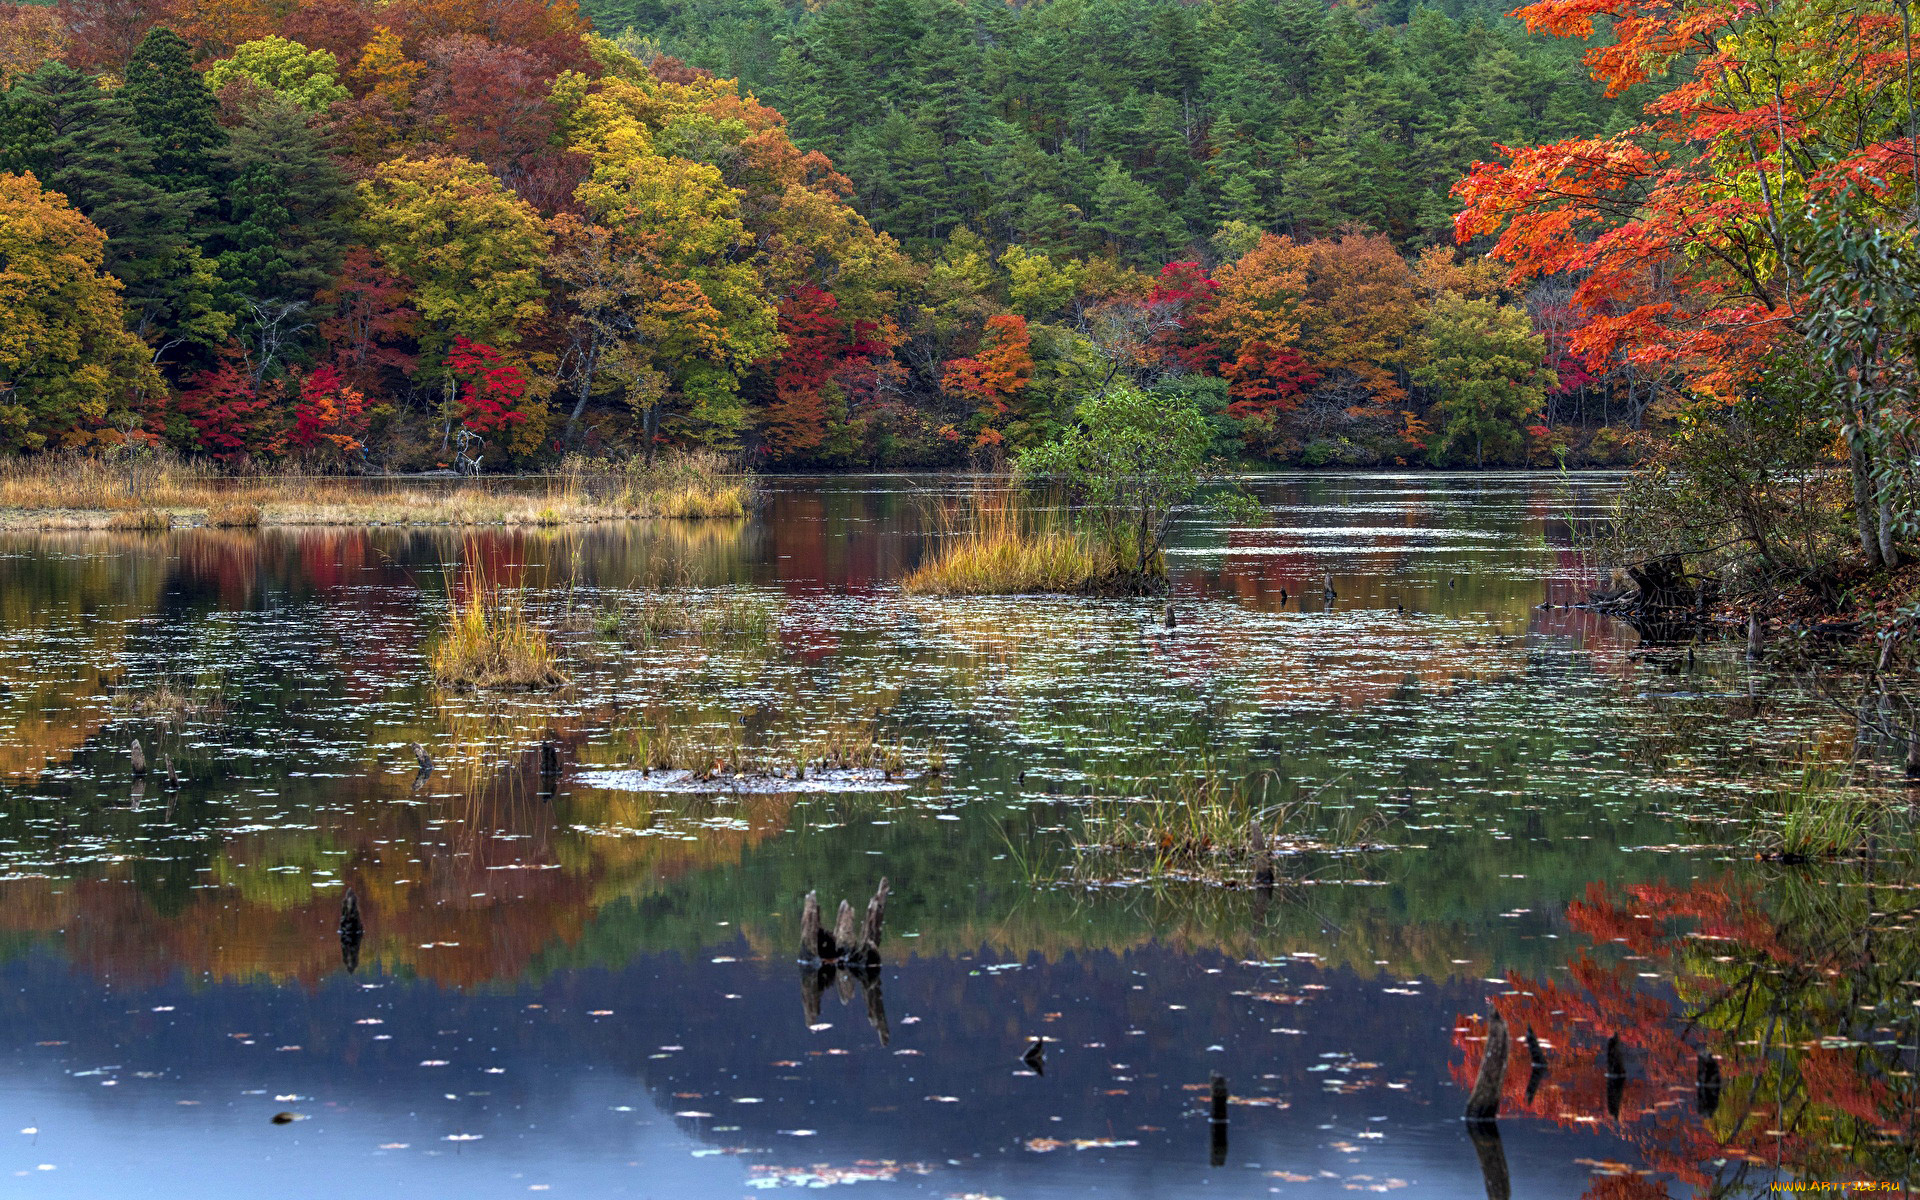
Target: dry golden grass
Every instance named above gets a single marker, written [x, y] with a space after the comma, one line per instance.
[1004, 547]
[74, 491]
[144, 520]
[489, 642]
[234, 514]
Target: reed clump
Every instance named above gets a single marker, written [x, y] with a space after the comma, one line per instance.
[998, 542]
[731, 617]
[687, 485]
[1814, 817]
[141, 520]
[172, 700]
[490, 642]
[234, 514]
[1210, 826]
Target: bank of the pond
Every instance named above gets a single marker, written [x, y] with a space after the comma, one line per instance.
[130, 493]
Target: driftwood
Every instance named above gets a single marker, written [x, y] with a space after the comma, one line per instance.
[1483, 1103]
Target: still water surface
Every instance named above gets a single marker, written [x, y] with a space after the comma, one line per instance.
[590, 991]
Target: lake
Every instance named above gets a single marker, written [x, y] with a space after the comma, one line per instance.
[571, 979]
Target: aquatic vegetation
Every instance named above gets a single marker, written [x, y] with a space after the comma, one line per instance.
[689, 484]
[143, 520]
[1211, 826]
[490, 642]
[172, 699]
[999, 542]
[1814, 817]
[732, 616]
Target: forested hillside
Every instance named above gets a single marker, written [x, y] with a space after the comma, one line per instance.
[352, 234]
[1074, 125]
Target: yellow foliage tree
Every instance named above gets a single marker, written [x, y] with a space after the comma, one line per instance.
[69, 368]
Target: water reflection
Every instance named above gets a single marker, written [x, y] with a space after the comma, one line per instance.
[494, 976]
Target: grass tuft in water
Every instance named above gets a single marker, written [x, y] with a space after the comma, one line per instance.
[733, 617]
[172, 699]
[142, 520]
[234, 514]
[489, 642]
[1004, 545]
[1814, 817]
[1209, 826]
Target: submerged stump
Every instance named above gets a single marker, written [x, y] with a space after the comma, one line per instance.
[1483, 1103]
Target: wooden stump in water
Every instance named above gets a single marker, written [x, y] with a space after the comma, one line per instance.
[868, 951]
[137, 756]
[1217, 1121]
[843, 929]
[1483, 1103]
[816, 944]
[1538, 1057]
[1493, 1159]
[1756, 637]
[1706, 1091]
[352, 930]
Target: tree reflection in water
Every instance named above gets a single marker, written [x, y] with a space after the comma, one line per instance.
[1768, 1030]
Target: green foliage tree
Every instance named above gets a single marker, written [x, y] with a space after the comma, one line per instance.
[309, 78]
[1129, 461]
[285, 210]
[1484, 361]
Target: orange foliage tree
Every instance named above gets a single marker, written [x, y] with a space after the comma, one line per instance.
[1686, 231]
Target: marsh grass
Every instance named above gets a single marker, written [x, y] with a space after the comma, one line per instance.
[998, 541]
[234, 514]
[735, 618]
[119, 491]
[1815, 817]
[490, 642]
[1210, 826]
[172, 699]
[141, 520]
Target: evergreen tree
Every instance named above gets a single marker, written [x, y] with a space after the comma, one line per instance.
[174, 110]
[81, 141]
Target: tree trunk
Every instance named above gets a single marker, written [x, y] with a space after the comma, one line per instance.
[1864, 509]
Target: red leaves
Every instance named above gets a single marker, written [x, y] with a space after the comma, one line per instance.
[328, 410]
[232, 415]
[996, 375]
[492, 386]
[1264, 380]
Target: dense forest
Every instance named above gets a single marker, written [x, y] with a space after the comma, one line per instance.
[357, 233]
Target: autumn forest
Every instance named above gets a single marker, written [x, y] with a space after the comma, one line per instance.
[334, 233]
